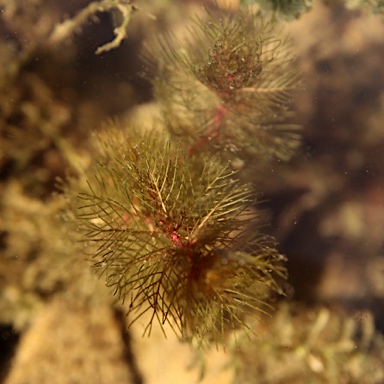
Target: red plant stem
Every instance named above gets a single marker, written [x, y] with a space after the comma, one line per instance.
[213, 132]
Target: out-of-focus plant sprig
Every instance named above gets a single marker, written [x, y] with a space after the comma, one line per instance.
[228, 87]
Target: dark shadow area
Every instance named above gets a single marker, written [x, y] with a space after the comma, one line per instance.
[9, 340]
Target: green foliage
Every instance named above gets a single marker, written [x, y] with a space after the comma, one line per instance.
[233, 78]
[172, 235]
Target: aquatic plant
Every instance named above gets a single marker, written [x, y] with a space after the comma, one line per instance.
[172, 235]
[227, 87]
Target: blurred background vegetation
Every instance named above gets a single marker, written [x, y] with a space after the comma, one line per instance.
[58, 323]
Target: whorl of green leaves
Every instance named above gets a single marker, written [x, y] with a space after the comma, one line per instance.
[172, 236]
[233, 78]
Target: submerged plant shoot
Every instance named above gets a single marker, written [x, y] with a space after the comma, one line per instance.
[178, 238]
